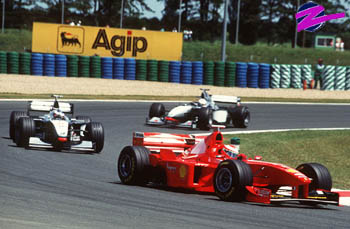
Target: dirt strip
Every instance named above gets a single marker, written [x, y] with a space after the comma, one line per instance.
[92, 86]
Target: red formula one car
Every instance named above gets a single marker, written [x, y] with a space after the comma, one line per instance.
[206, 164]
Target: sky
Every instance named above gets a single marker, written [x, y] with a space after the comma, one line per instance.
[156, 6]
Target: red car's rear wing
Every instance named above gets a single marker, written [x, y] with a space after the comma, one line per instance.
[157, 141]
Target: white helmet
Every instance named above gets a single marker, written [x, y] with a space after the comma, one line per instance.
[202, 102]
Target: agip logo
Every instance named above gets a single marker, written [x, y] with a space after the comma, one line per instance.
[70, 39]
[119, 44]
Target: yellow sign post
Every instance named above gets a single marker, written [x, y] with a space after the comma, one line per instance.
[102, 41]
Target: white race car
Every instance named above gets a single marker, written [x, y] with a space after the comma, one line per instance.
[55, 129]
[202, 114]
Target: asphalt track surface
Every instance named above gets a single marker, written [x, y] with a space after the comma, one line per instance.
[48, 189]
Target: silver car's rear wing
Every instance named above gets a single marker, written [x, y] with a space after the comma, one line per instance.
[43, 106]
[226, 99]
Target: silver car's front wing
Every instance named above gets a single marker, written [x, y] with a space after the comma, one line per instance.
[36, 142]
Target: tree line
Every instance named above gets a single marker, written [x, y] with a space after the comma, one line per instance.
[270, 21]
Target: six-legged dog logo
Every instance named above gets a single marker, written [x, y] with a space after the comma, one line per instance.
[69, 39]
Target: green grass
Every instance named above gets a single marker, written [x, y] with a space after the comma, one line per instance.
[168, 98]
[15, 40]
[330, 148]
[262, 53]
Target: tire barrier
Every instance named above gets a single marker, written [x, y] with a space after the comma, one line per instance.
[197, 72]
[174, 71]
[61, 65]
[141, 69]
[328, 76]
[24, 63]
[152, 70]
[84, 66]
[163, 71]
[3, 62]
[295, 71]
[186, 72]
[95, 67]
[37, 63]
[49, 65]
[72, 65]
[219, 73]
[340, 76]
[12, 62]
[264, 75]
[208, 77]
[230, 74]
[285, 76]
[253, 75]
[275, 78]
[118, 68]
[241, 74]
[347, 79]
[107, 67]
[306, 73]
[130, 68]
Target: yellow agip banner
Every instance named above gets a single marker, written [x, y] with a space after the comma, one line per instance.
[103, 41]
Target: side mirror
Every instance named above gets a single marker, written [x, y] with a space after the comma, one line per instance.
[258, 158]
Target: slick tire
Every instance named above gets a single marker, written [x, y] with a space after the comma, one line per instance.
[156, 110]
[15, 115]
[240, 116]
[86, 119]
[25, 128]
[230, 179]
[321, 178]
[134, 165]
[204, 118]
[96, 135]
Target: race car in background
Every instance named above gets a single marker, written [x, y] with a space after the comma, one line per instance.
[206, 164]
[202, 114]
[55, 129]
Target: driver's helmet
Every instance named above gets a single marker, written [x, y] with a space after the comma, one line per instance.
[57, 114]
[202, 102]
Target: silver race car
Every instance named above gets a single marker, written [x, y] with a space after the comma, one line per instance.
[202, 114]
[55, 129]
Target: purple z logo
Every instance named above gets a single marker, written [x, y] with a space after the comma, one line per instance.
[311, 17]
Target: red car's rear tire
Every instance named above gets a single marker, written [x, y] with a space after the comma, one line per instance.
[230, 179]
[133, 165]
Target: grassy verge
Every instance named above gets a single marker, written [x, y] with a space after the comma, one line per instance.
[330, 148]
[263, 53]
[165, 98]
[15, 40]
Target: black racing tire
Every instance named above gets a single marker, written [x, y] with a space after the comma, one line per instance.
[86, 119]
[156, 110]
[134, 165]
[230, 179]
[95, 134]
[15, 115]
[204, 118]
[321, 178]
[240, 116]
[25, 128]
